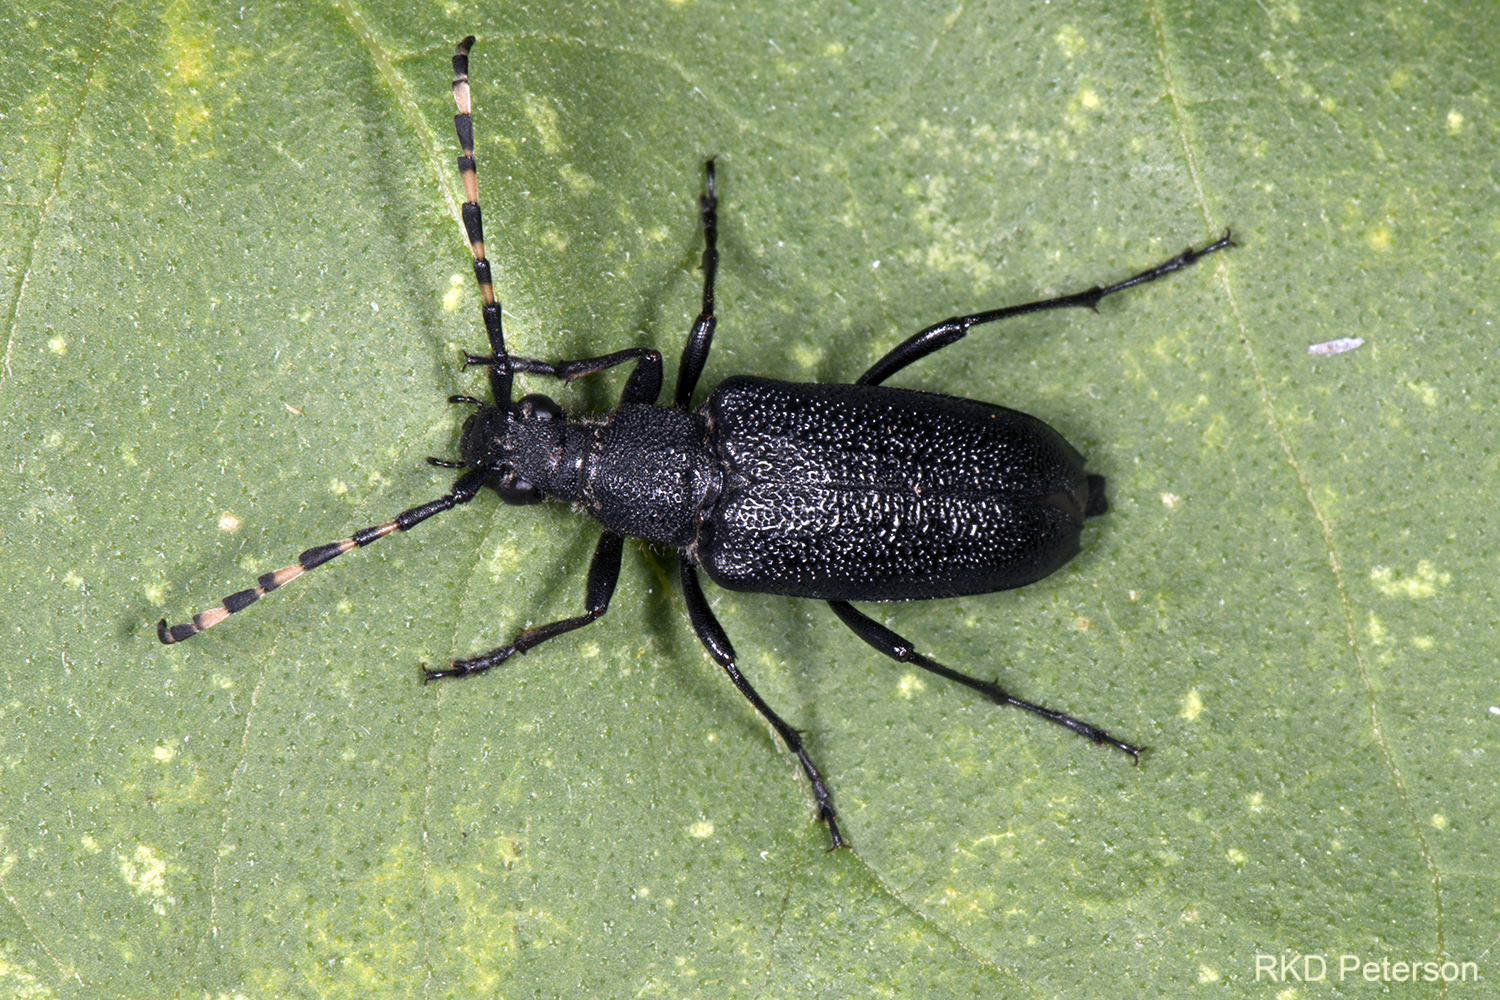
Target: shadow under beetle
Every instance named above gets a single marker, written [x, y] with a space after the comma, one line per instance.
[841, 493]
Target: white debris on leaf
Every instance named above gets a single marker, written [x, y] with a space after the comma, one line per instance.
[1340, 346]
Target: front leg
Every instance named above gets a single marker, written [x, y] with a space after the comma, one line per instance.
[701, 338]
[643, 386]
[604, 573]
[940, 335]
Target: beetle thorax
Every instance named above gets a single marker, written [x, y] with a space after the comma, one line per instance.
[643, 471]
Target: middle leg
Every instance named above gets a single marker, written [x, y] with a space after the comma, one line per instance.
[714, 639]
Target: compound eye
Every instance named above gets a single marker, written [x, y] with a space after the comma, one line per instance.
[518, 492]
[539, 407]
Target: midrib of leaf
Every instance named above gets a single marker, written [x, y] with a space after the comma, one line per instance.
[1274, 425]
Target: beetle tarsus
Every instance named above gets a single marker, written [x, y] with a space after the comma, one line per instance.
[836, 839]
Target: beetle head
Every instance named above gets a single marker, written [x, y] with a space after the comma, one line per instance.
[513, 441]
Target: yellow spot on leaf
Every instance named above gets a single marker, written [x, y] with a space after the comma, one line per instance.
[21, 984]
[578, 181]
[1085, 102]
[146, 873]
[807, 356]
[1192, 706]
[702, 829]
[186, 57]
[1286, 11]
[1423, 583]
[543, 118]
[454, 296]
[1070, 40]
[1426, 393]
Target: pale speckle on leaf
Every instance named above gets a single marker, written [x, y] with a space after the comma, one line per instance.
[1423, 583]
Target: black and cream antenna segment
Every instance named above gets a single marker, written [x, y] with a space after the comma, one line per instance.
[840, 493]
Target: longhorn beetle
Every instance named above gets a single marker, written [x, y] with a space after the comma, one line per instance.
[842, 493]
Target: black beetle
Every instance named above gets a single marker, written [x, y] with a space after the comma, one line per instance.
[842, 493]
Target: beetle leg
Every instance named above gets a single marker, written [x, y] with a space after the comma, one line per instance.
[701, 338]
[714, 639]
[604, 573]
[902, 651]
[940, 335]
[643, 386]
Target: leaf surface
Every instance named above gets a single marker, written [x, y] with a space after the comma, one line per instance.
[236, 298]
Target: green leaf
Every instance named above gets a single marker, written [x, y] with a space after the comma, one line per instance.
[237, 295]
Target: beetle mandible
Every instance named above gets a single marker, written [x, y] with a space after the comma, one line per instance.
[846, 492]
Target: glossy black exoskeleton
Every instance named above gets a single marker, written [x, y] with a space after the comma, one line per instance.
[858, 492]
